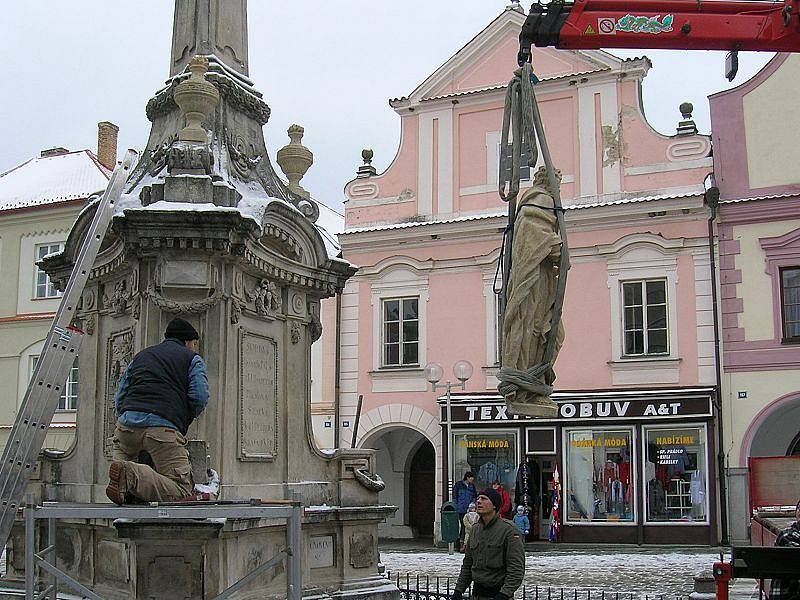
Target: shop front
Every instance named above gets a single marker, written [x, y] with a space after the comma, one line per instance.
[634, 466]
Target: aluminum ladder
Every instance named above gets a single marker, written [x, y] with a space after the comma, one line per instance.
[60, 350]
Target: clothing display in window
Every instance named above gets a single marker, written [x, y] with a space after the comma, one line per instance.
[599, 476]
[676, 474]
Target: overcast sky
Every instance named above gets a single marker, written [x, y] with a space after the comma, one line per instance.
[330, 66]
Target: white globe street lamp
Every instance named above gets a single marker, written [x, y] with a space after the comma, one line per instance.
[434, 372]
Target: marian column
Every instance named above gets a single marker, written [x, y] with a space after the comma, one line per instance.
[207, 230]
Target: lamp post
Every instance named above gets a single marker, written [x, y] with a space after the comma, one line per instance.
[462, 371]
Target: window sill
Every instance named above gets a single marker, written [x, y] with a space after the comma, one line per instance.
[645, 370]
[398, 379]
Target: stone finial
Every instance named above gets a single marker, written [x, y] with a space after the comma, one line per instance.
[515, 5]
[196, 97]
[687, 126]
[295, 159]
[366, 170]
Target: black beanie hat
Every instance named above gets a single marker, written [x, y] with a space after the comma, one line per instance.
[181, 330]
[493, 495]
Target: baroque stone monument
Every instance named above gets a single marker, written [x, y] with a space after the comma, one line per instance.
[208, 231]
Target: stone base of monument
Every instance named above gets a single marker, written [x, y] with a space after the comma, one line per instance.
[544, 409]
[194, 560]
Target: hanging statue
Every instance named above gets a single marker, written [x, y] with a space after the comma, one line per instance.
[526, 377]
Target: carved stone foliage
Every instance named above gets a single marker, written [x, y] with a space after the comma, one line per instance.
[119, 353]
[116, 297]
[258, 397]
[361, 550]
[244, 155]
[266, 298]
[158, 156]
[295, 332]
[187, 156]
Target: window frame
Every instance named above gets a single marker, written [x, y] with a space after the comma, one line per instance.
[37, 272]
[72, 384]
[786, 339]
[400, 343]
[644, 306]
[709, 464]
[565, 431]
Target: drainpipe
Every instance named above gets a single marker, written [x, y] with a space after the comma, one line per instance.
[337, 373]
[712, 201]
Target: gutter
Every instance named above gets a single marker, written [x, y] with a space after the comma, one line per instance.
[712, 201]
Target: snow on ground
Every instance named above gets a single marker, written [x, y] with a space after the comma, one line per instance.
[646, 571]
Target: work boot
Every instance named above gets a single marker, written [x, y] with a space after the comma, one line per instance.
[117, 490]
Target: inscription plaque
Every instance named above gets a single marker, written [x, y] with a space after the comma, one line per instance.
[258, 397]
[320, 551]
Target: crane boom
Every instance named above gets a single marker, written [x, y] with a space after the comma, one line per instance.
[733, 25]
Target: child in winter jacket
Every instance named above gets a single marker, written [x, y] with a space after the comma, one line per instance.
[521, 521]
[469, 520]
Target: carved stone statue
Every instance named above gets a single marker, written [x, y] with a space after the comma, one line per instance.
[525, 381]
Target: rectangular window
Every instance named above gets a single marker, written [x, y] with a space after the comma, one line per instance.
[644, 319]
[490, 456]
[790, 303]
[69, 393]
[599, 485]
[43, 287]
[675, 472]
[401, 332]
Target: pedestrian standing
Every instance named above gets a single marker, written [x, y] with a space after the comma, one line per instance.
[506, 511]
[163, 390]
[468, 521]
[786, 588]
[464, 493]
[521, 521]
[494, 560]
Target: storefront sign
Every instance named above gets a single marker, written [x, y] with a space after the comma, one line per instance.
[587, 410]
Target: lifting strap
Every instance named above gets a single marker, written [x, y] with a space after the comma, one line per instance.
[522, 122]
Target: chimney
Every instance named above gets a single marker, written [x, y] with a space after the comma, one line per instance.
[107, 144]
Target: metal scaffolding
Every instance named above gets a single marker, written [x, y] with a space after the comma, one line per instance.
[292, 511]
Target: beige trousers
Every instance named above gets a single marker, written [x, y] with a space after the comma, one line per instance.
[172, 478]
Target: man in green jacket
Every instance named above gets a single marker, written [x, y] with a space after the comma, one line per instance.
[494, 561]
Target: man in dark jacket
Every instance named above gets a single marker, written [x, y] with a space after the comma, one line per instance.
[163, 390]
[464, 493]
[494, 561]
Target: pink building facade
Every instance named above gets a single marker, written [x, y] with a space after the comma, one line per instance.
[634, 442]
[757, 171]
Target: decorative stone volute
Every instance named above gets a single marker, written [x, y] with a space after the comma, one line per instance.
[295, 159]
[196, 97]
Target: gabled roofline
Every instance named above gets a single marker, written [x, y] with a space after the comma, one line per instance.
[486, 37]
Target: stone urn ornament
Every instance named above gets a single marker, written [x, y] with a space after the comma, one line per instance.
[196, 97]
[295, 159]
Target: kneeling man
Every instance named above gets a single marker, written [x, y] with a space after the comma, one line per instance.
[163, 390]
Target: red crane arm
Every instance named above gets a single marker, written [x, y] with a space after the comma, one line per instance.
[663, 24]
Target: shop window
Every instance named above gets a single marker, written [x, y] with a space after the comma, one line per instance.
[645, 317]
[600, 481]
[400, 332]
[790, 304]
[43, 287]
[490, 456]
[675, 472]
[69, 393]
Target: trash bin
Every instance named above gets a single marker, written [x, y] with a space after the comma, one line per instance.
[450, 524]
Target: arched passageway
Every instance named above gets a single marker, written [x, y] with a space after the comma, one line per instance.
[406, 461]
